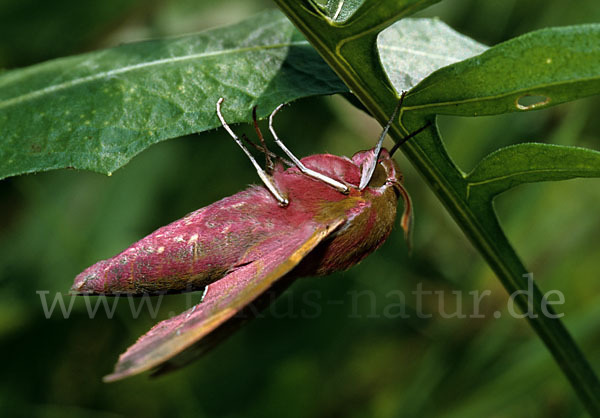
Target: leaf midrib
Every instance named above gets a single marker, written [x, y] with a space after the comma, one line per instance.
[497, 96]
[106, 74]
[495, 179]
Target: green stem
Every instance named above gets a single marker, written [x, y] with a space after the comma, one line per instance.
[480, 224]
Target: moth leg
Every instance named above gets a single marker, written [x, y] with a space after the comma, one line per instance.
[268, 161]
[367, 173]
[261, 173]
[274, 156]
[407, 137]
[311, 173]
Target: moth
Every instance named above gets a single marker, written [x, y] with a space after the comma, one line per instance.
[322, 214]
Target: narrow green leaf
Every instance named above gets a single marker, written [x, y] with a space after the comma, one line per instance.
[96, 111]
[526, 163]
[411, 49]
[553, 65]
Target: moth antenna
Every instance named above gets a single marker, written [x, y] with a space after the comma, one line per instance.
[367, 174]
[407, 137]
[261, 173]
[311, 173]
[248, 141]
[268, 161]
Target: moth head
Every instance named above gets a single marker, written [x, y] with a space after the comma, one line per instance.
[385, 173]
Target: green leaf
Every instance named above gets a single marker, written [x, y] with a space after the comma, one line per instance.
[98, 110]
[411, 49]
[553, 65]
[526, 163]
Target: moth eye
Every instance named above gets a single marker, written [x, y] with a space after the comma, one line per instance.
[379, 176]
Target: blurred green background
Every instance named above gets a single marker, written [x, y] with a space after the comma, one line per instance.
[348, 359]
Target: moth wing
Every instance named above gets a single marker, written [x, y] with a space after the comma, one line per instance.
[222, 300]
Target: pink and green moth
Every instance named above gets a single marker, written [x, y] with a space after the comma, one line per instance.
[323, 214]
